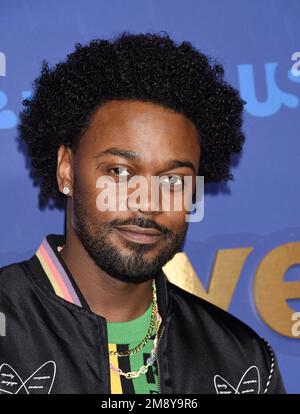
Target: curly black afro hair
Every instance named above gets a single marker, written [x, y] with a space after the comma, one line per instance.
[146, 67]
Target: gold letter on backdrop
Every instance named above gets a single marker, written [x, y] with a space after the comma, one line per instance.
[224, 277]
[271, 291]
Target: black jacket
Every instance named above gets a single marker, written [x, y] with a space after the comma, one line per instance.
[49, 341]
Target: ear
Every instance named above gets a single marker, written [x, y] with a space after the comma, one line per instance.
[64, 170]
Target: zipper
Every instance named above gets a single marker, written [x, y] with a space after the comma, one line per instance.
[158, 367]
[102, 325]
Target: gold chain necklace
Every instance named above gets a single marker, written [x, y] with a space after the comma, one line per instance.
[151, 328]
[153, 354]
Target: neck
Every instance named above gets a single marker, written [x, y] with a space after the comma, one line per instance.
[116, 301]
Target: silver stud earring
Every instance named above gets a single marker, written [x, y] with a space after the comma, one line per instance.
[66, 190]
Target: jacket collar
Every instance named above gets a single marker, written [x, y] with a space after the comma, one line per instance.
[49, 267]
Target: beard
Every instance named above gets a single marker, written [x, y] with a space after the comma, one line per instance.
[130, 264]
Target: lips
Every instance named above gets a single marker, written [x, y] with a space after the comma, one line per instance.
[139, 234]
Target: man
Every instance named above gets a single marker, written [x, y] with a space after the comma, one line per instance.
[92, 311]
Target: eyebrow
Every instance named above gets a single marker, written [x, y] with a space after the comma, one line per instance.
[178, 164]
[129, 154]
[133, 155]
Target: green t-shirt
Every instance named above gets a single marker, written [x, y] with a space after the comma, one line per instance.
[126, 335]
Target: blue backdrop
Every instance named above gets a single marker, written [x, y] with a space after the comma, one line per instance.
[255, 41]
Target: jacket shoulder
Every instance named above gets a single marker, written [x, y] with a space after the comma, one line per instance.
[204, 309]
[230, 339]
[13, 278]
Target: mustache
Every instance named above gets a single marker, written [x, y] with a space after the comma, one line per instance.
[141, 222]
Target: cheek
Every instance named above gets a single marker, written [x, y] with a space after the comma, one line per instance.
[87, 195]
[174, 221]
[85, 186]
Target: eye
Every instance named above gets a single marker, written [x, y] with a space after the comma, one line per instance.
[174, 180]
[120, 171]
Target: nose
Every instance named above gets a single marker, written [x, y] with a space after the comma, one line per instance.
[146, 197]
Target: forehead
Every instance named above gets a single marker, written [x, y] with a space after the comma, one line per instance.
[147, 128]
